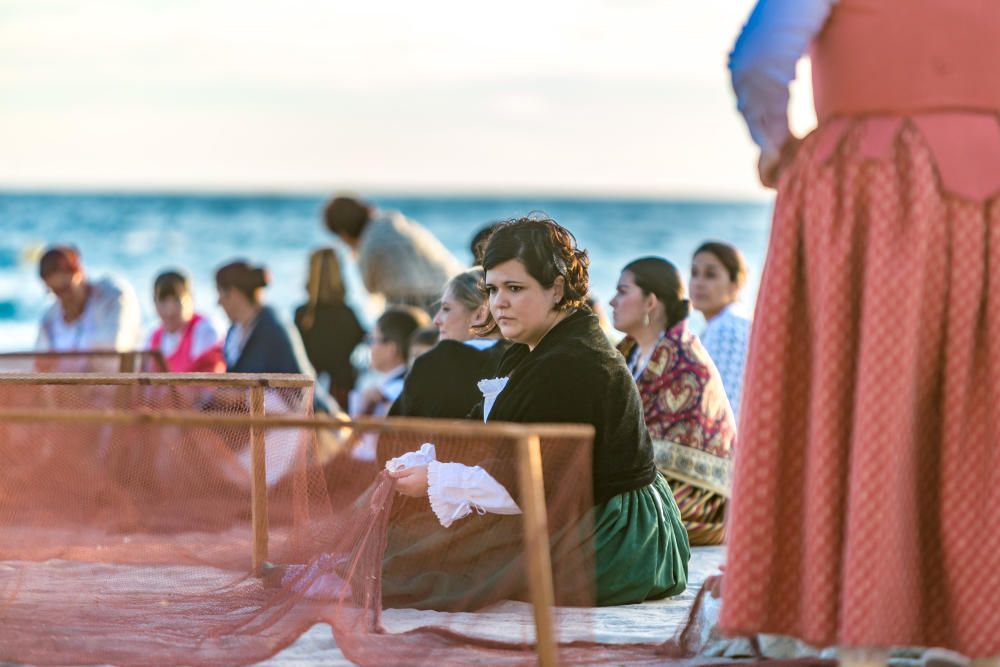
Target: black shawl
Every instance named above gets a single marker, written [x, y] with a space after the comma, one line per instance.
[442, 382]
[574, 375]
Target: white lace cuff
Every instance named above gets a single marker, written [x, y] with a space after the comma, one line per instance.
[421, 457]
[455, 490]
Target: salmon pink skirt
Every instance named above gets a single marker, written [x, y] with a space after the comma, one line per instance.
[866, 500]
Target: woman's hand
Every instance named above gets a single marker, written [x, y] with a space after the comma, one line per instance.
[771, 165]
[411, 481]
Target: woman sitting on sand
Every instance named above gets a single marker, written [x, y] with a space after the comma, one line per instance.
[718, 274]
[561, 368]
[256, 342]
[685, 405]
[187, 340]
[442, 382]
[328, 326]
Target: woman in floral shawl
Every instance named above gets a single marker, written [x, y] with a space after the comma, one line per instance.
[684, 403]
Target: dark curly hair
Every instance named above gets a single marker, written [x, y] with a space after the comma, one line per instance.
[547, 250]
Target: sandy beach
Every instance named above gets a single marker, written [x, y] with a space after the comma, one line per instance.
[654, 621]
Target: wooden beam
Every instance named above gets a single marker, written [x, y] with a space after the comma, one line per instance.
[536, 547]
[153, 358]
[258, 482]
[76, 354]
[411, 425]
[275, 380]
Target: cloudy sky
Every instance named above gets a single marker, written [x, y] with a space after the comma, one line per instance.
[577, 96]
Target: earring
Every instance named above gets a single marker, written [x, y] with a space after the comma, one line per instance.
[645, 319]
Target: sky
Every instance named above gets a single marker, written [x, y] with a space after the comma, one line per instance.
[627, 97]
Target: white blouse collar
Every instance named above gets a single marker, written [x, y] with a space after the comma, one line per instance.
[491, 388]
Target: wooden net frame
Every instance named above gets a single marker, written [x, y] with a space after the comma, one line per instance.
[101, 361]
[526, 437]
[244, 380]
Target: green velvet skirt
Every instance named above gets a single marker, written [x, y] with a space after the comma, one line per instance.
[631, 548]
[641, 546]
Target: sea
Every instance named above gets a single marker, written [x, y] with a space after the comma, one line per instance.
[136, 236]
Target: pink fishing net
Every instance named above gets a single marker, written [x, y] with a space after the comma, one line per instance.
[107, 361]
[129, 533]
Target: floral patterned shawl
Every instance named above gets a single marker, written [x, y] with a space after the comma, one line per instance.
[686, 411]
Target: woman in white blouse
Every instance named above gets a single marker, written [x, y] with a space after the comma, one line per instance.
[87, 315]
[718, 274]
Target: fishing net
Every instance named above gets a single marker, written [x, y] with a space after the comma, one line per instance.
[106, 361]
[216, 393]
[225, 451]
[209, 524]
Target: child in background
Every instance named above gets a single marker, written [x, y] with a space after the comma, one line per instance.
[390, 352]
[422, 340]
[188, 341]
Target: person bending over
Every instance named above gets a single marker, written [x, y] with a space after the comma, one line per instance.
[397, 257]
[88, 314]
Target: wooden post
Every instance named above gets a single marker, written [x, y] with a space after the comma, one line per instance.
[258, 482]
[126, 363]
[536, 545]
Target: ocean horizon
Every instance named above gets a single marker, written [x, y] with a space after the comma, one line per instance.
[136, 235]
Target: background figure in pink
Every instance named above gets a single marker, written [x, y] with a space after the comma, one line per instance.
[188, 341]
[866, 500]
